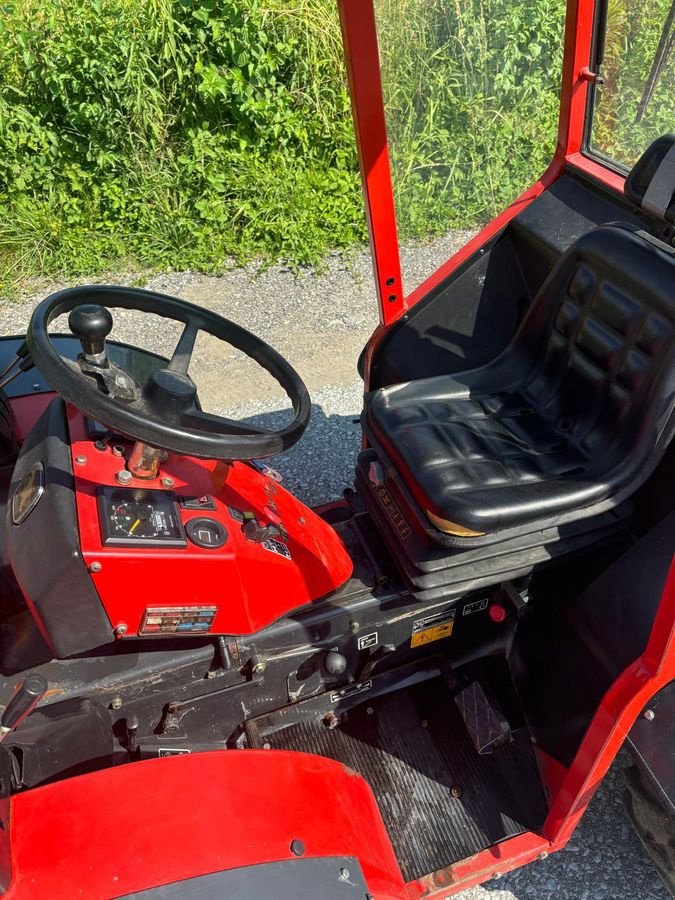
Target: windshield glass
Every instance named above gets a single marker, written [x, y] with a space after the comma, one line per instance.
[471, 96]
[637, 102]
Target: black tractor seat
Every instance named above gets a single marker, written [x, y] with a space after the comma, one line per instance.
[577, 409]
[567, 421]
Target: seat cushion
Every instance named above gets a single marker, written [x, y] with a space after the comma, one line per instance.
[574, 411]
[482, 464]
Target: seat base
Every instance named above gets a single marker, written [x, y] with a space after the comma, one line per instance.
[435, 566]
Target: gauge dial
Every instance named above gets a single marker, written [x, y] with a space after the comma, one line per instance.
[140, 516]
[132, 518]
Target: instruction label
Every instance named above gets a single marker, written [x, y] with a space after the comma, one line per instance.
[432, 628]
[476, 606]
[350, 690]
[367, 640]
[276, 547]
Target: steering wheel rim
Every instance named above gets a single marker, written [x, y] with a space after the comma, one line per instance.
[218, 437]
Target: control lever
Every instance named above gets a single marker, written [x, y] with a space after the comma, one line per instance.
[20, 362]
[92, 324]
[22, 703]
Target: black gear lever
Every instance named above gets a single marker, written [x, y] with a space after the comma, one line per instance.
[92, 324]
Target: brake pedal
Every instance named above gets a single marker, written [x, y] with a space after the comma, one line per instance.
[486, 724]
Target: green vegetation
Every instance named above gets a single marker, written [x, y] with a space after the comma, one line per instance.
[194, 133]
[163, 133]
[623, 129]
[472, 91]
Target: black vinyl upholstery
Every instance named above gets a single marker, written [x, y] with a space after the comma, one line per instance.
[575, 411]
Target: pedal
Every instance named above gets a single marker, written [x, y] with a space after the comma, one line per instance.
[486, 724]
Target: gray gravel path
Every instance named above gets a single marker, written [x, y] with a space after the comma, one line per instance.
[320, 323]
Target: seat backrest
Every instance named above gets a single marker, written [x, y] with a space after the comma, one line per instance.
[603, 329]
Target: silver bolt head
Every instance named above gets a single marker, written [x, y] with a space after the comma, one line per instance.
[543, 854]
[344, 874]
[95, 567]
[649, 715]
[118, 450]
[259, 668]
[167, 482]
[80, 460]
[116, 702]
[123, 477]
[121, 628]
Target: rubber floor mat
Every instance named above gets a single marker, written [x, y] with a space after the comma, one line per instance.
[439, 799]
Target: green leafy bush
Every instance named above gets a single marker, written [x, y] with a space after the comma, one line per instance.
[163, 133]
[627, 119]
[472, 92]
[191, 133]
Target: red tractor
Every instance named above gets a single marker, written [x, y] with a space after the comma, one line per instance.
[210, 689]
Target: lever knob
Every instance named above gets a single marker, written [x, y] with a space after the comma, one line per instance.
[22, 702]
[91, 324]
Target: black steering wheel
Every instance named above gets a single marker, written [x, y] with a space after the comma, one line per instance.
[163, 412]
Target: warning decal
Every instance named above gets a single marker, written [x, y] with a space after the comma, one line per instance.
[432, 628]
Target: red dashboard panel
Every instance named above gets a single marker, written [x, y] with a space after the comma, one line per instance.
[236, 588]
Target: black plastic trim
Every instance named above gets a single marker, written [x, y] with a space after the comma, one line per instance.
[44, 550]
[327, 877]
[651, 742]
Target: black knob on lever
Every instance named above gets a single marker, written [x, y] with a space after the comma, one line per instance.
[92, 324]
[22, 702]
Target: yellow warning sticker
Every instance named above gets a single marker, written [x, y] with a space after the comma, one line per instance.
[432, 628]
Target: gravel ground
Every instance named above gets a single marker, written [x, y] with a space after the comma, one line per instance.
[320, 323]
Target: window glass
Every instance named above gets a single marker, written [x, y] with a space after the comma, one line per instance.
[471, 93]
[637, 102]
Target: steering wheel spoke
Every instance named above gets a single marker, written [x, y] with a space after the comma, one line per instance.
[182, 355]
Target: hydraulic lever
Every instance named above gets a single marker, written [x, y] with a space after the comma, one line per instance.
[20, 362]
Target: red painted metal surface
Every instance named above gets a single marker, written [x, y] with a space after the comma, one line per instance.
[574, 88]
[359, 35]
[137, 826]
[607, 177]
[250, 585]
